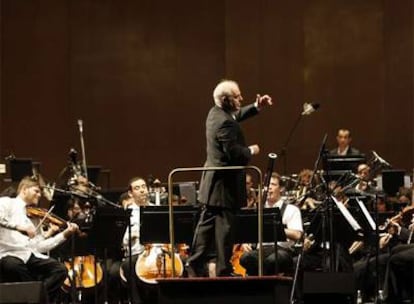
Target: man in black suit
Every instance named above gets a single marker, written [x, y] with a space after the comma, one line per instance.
[223, 192]
[343, 138]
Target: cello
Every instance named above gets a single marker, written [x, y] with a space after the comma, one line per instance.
[156, 262]
[82, 273]
[235, 260]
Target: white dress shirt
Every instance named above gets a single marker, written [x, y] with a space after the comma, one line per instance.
[292, 218]
[14, 243]
[344, 152]
[137, 247]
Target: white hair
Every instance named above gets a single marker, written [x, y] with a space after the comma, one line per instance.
[224, 89]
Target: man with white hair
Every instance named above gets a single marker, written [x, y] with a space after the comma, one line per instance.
[223, 192]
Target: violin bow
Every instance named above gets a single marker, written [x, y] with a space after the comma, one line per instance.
[44, 217]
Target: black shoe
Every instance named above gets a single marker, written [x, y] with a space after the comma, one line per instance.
[229, 274]
[191, 273]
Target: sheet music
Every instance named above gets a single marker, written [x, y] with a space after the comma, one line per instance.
[348, 216]
[366, 213]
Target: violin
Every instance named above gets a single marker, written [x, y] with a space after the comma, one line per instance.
[403, 217]
[45, 216]
[407, 215]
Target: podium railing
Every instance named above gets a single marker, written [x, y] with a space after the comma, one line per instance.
[259, 205]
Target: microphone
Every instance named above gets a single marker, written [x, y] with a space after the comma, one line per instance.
[73, 154]
[10, 157]
[80, 124]
[381, 160]
[309, 108]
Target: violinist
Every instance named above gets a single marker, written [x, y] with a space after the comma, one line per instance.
[391, 242]
[365, 180]
[305, 197]
[401, 262]
[75, 211]
[21, 249]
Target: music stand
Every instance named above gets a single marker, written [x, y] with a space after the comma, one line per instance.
[273, 228]
[392, 180]
[185, 219]
[247, 219]
[347, 215]
[106, 234]
[108, 228]
[372, 236]
[336, 166]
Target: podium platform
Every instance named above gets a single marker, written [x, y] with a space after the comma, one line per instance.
[225, 290]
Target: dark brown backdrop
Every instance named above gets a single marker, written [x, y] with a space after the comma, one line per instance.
[140, 75]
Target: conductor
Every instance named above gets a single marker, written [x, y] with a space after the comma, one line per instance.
[222, 193]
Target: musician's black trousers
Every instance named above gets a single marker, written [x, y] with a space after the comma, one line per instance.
[250, 261]
[401, 273]
[49, 271]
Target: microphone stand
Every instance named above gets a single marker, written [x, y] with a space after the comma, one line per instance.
[266, 185]
[307, 110]
[283, 151]
[85, 168]
[379, 296]
[327, 217]
[292, 299]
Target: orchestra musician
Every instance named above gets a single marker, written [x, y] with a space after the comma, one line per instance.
[400, 267]
[292, 218]
[393, 243]
[363, 173]
[251, 192]
[364, 264]
[222, 192]
[343, 139]
[116, 288]
[305, 194]
[138, 191]
[22, 248]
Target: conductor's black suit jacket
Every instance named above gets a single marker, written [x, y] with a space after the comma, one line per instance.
[225, 147]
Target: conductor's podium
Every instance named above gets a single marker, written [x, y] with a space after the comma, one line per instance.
[225, 290]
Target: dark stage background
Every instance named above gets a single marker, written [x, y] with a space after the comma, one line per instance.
[140, 74]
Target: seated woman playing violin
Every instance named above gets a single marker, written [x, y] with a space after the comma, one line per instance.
[21, 246]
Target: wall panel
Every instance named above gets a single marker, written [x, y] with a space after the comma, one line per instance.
[140, 75]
